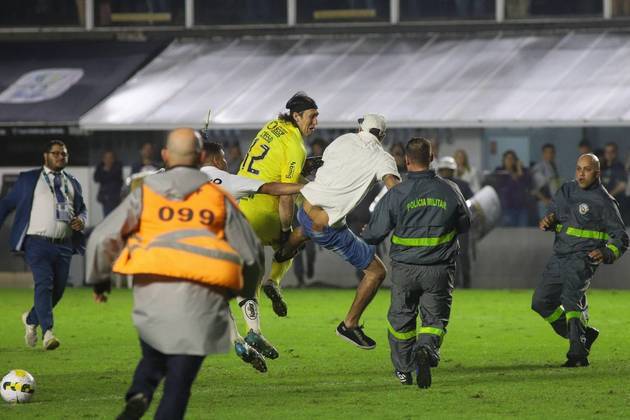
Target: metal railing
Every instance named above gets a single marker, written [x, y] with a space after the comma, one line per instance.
[292, 14]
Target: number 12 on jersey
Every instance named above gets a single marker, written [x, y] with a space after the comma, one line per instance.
[253, 158]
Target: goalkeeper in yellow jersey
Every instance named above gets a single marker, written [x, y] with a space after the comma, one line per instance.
[278, 154]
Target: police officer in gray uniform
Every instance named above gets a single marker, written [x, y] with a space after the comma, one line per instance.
[589, 231]
[425, 213]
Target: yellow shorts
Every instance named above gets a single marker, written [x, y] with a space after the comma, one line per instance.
[265, 223]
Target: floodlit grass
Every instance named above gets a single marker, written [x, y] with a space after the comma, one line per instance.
[499, 360]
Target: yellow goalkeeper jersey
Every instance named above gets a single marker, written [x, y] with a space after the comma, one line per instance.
[277, 154]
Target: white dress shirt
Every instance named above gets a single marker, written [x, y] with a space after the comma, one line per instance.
[43, 220]
[351, 163]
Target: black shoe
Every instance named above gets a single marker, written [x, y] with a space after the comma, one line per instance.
[591, 335]
[135, 408]
[576, 362]
[261, 344]
[250, 355]
[277, 303]
[355, 336]
[423, 361]
[405, 378]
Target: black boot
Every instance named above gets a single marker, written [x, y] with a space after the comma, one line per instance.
[577, 356]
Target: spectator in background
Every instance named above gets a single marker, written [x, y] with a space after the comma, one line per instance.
[447, 168]
[465, 172]
[398, 152]
[512, 185]
[234, 157]
[545, 179]
[614, 177]
[584, 147]
[108, 174]
[318, 146]
[147, 160]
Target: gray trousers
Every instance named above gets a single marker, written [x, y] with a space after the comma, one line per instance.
[424, 289]
[560, 298]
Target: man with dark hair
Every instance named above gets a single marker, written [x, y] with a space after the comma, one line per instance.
[545, 178]
[613, 174]
[589, 231]
[352, 163]
[425, 213]
[147, 161]
[277, 154]
[215, 166]
[50, 216]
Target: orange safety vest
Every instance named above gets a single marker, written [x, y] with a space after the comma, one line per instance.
[183, 240]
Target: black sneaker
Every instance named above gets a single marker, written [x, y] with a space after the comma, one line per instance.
[135, 408]
[405, 378]
[591, 335]
[261, 344]
[355, 336]
[576, 362]
[277, 303]
[423, 370]
[250, 355]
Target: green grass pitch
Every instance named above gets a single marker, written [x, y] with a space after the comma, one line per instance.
[499, 360]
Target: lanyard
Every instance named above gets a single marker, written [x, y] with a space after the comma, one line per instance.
[64, 181]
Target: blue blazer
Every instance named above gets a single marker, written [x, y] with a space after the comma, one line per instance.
[20, 199]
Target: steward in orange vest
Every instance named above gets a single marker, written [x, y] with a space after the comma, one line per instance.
[189, 248]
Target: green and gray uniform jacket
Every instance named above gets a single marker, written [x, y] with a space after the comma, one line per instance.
[588, 220]
[426, 212]
[176, 317]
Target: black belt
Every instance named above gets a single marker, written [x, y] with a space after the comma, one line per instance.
[51, 240]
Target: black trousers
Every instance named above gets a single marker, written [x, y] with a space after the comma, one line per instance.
[178, 371]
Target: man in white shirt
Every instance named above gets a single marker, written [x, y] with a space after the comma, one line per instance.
[215, 166]
[352, 163]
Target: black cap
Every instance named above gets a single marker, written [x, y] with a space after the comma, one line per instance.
[300, 102]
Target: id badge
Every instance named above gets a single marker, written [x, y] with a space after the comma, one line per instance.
[63, 212]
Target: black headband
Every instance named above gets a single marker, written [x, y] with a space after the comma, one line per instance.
[300, 102]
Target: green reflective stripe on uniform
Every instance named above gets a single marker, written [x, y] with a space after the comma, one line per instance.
[555, 315]
[573, 314]
[401, 335]
[432, 330]
[614, 249]
[438, 240]
[558, 227]
[590, 234]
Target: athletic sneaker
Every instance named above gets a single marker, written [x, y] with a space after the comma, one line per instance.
[405, 378]
[591, 335]
[250, 355]
[135, 408]
[50, 341]
[277, 303]
[30, 337]
[355, 336]
[261, 344]
[423, 361]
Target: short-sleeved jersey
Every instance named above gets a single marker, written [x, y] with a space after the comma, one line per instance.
[238, 186]
[277, 154]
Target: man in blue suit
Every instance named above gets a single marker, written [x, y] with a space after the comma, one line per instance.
[50, 216]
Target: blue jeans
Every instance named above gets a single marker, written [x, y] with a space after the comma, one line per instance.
[50, 264]
[179, 371]
[515, 217]
[341, 241]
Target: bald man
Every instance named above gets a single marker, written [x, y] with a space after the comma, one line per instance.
[189, 250]
[589, 231]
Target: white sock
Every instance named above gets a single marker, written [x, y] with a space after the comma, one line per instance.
[234, 334]
[250, 313]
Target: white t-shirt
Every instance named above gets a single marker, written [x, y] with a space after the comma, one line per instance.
[238, 186]
[351, 163]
